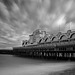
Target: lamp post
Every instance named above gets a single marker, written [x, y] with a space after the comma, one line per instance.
[59, 27]
[70, 25]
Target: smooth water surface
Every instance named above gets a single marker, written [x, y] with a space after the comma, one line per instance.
[11, 65]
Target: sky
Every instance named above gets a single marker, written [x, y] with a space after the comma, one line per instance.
[19, 18]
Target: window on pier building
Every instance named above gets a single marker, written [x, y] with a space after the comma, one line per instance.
[40, 40]
[46, 39]
[62, 48]
[72, 36]
[63, 37]
[24, 43]
[55, 39]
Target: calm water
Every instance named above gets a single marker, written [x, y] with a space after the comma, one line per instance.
[11, 65]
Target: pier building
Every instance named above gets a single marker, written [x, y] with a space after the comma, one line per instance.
[43, 45]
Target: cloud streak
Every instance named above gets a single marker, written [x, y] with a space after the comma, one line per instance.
[19, 18]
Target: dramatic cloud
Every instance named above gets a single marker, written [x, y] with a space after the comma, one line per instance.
[19, 18]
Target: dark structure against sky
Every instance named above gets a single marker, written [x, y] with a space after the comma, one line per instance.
[19, 18]
[40, 44]
[39, 36]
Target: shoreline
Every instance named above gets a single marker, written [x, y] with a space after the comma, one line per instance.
[64, 72]
[21, 66]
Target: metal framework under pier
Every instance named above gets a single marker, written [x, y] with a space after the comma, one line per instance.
[56, 50]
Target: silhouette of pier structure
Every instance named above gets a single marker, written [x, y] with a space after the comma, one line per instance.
[43, 45]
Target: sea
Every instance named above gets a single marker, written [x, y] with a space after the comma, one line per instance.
[13, 65]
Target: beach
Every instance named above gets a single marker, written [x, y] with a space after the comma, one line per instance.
[11, 65]
[65, 72]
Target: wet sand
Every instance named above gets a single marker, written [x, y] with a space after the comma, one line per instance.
[65, 72]
[10, 65]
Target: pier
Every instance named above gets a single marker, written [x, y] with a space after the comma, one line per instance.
[54, 50]
[50, 47]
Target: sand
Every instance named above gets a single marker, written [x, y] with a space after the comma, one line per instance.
[65, 72]
[65, 68]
